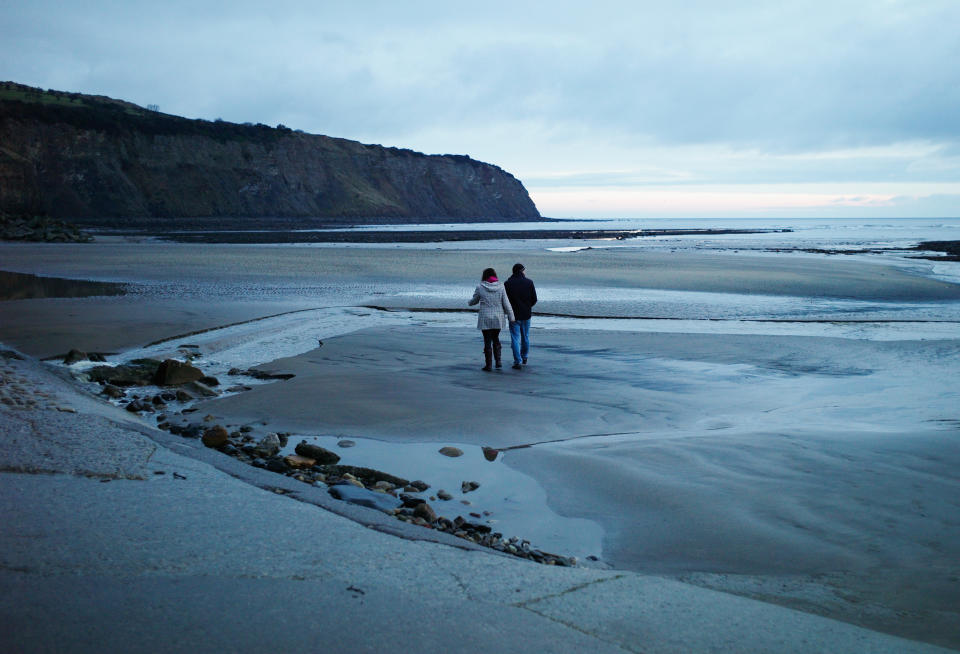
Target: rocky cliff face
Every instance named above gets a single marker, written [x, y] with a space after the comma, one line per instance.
[103, 162]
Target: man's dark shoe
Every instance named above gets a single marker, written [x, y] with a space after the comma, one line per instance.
[517, 366]
[524, 362]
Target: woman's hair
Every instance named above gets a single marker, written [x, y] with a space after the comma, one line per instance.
[488, 272]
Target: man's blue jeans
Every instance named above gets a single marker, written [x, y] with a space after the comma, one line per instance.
[520, 340]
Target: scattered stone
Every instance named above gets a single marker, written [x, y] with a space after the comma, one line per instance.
[420, 485]
[112, 391]
[269, 445]
[175, 373]
[346, 443]
[183, 396]
[363, 497]
[216, 436]
[197, 389]
[467, 486]
[134, 406]
[444, 495]
[299, 462]
[322, 455]
[234, 371]
[451, 451]
[490, 454]
[276, 464]
[425, 512]
[209, 381]
[385, 486]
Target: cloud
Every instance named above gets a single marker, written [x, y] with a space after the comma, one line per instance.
[602, 95]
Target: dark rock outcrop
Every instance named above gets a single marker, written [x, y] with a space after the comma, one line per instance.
[176, 373]
[106, 163]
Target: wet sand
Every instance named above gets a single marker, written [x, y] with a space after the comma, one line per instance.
[810, 471]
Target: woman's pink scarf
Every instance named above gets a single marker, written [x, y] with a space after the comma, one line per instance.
[491, 279]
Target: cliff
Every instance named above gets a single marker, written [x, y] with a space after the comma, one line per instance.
[108, 163]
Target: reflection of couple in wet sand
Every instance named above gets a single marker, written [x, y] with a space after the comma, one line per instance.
[501, 305]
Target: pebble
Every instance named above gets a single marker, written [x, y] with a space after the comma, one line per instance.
[451, 451]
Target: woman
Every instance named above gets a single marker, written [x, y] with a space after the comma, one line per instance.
[495, 311]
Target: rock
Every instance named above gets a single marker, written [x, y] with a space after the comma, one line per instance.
[134, 406]
[322, 455]
[176, 373]
[384, 486]
[444, 495]
[216, 436]
[234, 371]
[96, 356]
[420, 485]
[345, 443]
[451, 451]
[183, 396]
[299, 462]
[363, 497]
[490, 454]
[112, 392]
[75, 355]
[209, 381]
[467, 486]
[196, 389]
[276, 464]
[425, 511]
[134, 373]
[268, 446]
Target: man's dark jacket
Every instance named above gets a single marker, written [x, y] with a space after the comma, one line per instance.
[522, 295]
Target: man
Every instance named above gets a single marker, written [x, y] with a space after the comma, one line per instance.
[522, 296]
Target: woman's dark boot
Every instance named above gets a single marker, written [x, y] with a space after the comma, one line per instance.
[487, 357]
[496, 354]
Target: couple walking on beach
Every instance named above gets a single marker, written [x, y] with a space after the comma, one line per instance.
[503, 304]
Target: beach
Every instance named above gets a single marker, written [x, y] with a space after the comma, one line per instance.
[782, 427]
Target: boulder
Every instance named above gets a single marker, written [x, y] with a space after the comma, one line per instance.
[210, 381]
[321, 455]
[215, 436]
[176, 373]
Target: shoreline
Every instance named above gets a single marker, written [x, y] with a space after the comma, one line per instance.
[401, 236]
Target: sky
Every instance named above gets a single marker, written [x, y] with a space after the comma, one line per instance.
[633, 109]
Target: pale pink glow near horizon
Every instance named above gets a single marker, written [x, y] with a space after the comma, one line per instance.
[604, 202]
